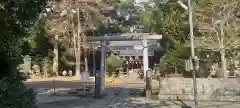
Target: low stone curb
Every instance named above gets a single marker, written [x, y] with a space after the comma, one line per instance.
[75, 92]
[47, 99]
[82, 94]
[200, 97]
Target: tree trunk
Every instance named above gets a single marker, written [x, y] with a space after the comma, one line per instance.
[175, 70]
[56, 56]
[45, 70]
[224, 72]
[77, 49]
[85, 60]
[78, 67]
[223, 64]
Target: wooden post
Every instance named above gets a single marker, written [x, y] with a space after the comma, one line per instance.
[127, 63]
[149, 84]
[97, 92]
[54, 91]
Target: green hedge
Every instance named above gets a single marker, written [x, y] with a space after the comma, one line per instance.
[14, 94]
[113, 62]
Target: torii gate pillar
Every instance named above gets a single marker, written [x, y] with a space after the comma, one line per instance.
[100, 77]
[145, 58]
[103, 64]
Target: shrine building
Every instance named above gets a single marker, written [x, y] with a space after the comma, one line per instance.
[134, 57]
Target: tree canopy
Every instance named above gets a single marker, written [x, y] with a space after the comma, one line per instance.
[17, 17]
[168, 19]
[208, 19]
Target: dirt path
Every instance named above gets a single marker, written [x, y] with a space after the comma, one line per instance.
[124, 93]
[121, 94]
[63, 83]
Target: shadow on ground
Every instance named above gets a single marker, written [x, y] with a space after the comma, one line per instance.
[118, 97]
[202, 104]
[57, 84]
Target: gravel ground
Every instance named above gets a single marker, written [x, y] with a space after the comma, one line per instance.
[130, 99]
[120, 95]
[117, 98]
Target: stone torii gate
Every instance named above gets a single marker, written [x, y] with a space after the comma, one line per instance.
[100, 77]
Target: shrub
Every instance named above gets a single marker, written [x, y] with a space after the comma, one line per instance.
[14, 94]
[113, 63]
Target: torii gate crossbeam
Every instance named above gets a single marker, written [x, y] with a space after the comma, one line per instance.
[100, 77]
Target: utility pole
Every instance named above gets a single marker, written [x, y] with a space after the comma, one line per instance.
[194, 61]
[193, 57]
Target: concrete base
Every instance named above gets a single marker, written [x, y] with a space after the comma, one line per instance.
[102, 94]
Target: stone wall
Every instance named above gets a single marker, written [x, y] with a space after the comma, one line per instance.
[208, 89]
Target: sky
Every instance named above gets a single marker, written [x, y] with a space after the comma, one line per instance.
[138, 1]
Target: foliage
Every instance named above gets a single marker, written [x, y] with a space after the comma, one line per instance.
[70, 20]
[17, 16]
[174, 58]
[13, 94]
[208, 19]
[218, 24]
[62, 16]
[113, 62]
[39, 41]
[168, 19]
[39, 46]
[123, 18]
[47, 67]
[126, 16]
